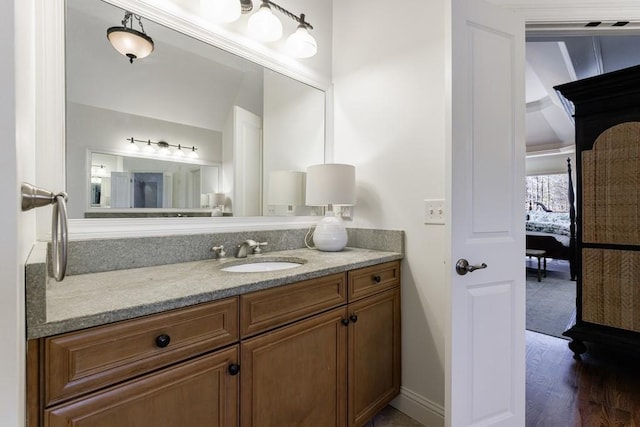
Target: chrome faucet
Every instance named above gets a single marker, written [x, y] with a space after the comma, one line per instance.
[246, 248]
[250, 247]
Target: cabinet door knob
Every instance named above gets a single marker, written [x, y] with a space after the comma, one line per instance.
[353, 318]
[377, 278]
[163, 340]
[345, 322]
[234, 368]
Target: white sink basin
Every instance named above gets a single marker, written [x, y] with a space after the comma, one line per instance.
[257, 267]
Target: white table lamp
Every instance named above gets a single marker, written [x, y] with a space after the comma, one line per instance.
[328, 185]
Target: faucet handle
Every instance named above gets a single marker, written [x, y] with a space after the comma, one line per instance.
[219, 251]
[258, 249]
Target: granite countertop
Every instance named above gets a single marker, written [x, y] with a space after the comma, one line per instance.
[93, 299]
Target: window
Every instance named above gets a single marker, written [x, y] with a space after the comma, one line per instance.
[550, 190]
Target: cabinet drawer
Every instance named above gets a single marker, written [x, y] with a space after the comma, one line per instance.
[370, 280]
[267, 309]
[87, 360]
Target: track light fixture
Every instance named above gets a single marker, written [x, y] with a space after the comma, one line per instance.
[163, 148]
[131, 43]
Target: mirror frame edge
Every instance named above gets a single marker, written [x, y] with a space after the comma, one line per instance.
[50, 101]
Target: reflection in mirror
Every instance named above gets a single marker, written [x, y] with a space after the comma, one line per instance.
[244, 122]
[123, 182]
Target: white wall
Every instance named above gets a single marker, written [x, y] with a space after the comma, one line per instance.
[389, 119]
[293, 130]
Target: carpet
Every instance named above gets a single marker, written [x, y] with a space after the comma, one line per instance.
[550, 304]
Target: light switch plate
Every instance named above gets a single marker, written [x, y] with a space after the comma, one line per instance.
[434, 211]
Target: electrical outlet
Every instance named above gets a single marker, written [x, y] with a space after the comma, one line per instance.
[346, 212]
[434, 211]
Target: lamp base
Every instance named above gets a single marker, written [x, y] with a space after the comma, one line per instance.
[330, 234]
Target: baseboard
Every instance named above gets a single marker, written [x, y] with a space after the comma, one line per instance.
[421, 409]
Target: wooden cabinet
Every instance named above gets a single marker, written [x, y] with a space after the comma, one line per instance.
[296, 375]
[373, 354]
[164, 369]
[321, 352]
[333, 369]
[196, 393]
[80, 362]
[607, 120]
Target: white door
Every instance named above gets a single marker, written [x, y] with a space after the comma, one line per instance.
[486, 343]
[121, 194]
[247, 160]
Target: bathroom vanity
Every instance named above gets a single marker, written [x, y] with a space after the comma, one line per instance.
[316, 345]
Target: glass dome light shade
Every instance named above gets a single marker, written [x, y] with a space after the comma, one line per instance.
[301, 44]
[129, 42]
[221, 11]
[264, 25]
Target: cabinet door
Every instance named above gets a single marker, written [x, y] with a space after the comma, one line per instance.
[197, 393]
[374, 354]
[296, 375]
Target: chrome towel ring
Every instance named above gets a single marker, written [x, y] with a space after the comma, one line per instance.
[35, 197]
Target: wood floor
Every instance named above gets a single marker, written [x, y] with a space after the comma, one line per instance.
[601, 390]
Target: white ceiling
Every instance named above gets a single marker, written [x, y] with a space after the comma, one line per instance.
[559, 57]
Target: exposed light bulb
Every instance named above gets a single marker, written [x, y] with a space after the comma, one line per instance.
[221, 11]
[193, 154]
[301, 44]
[264, 25]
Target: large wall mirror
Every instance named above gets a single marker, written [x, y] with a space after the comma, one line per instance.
[132, 128]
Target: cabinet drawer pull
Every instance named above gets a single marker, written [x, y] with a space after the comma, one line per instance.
[234, 368]
[377, 278]
[345, 322]
[163, 340]
[353, 318]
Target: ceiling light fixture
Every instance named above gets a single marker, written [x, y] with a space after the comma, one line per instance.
[264, 25]
[131, 43]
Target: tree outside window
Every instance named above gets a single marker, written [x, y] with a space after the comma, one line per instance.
[550, 190]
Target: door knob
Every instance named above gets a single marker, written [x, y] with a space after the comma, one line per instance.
[463, 267]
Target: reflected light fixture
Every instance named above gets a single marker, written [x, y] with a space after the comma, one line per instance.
[163, 148]
[264, 25]
[131, 43]
[327, 185]
[221, 11]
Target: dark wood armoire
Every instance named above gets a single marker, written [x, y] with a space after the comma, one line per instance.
[607, 124]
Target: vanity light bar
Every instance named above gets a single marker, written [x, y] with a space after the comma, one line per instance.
[163, 145]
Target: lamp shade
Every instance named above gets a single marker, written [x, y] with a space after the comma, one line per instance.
[286, 188]
[301, 44]
[264, 25]
[331, 184]
[129, 42]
